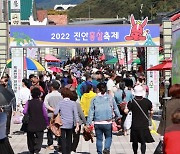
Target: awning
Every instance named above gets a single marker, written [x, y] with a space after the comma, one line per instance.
[112, 61]
[50, 58]
[137, 61]
[165, 65]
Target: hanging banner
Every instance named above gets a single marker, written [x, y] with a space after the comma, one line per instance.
[17, 69]
[15, 5]
[15, 12]
[15, 18]
[153, 76]
[86, 35]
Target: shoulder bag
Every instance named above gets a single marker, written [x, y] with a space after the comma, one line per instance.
[25, 121]
[128, 121]
[149, 120]
[55, 125]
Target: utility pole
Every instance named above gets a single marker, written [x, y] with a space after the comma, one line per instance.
[1, 4]
[4, 35]
[89, 12]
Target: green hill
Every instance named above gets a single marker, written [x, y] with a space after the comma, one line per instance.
[122, 8]
[49, 4]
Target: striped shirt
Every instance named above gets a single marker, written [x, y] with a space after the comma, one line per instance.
[68, 112]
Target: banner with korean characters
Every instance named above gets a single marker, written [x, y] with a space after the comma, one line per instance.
[83, 36]
[153, 76]
[17, 69]
[15, 12]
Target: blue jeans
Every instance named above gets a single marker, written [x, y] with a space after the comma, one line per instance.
[101, 129]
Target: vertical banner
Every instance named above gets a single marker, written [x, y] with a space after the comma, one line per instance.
[153, 76]
[15, 5]
[129, 58]
[17, 69]
[15, 12]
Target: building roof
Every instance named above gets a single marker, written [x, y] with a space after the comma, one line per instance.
[164, 16]
[41, 15]
[100, 21]
[58, 19]
[27, 9]
[170, 14]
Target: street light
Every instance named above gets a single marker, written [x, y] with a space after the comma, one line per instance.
[141, 11]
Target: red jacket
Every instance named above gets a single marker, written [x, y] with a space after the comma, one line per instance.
[172, 139]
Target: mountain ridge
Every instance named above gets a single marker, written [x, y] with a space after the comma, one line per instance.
[122, 8]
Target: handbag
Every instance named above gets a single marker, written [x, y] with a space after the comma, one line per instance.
[114, 127]
[159, 148]
[88, 134]
[128, 121]
[55, 125]
[25, 119]
[149, 119]
[17, 119]
[123, 105]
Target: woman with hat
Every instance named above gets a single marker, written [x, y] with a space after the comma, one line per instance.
[140, 108]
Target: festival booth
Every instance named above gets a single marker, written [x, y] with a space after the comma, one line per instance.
[137, 34]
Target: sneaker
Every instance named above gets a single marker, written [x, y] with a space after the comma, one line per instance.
[51, 147]
[106, 151]
[72, 152]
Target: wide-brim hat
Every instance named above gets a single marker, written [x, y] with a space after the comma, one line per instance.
[139, 91]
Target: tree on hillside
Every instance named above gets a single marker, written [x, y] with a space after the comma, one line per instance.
[122, 8]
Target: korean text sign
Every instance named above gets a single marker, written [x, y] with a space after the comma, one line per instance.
[94, 35]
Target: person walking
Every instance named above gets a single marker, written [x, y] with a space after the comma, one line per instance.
[24, 95]
[76, 135]
[11, 109]
[86, 98]
[37, 122]
[111, 87]
[69, 115]
[140, 132]
[169, 107]
[82, 119]
[172, 135]
[122, 97]
[51, 102]
[5, 147]
[102, 110]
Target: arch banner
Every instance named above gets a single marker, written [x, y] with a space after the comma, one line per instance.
[85, 36]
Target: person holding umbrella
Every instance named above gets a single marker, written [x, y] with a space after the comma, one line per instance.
[6, 98]
[9, 101]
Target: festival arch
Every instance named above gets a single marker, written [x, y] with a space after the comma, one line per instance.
[136, 34]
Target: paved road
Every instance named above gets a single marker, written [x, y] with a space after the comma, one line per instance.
[120, 145]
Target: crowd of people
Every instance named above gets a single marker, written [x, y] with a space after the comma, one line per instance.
[85, 94]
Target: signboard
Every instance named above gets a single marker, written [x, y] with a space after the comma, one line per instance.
[15, 18]
[76, 36]
[15, 5]
[15, 12]
[153, 76]
[17, 69]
